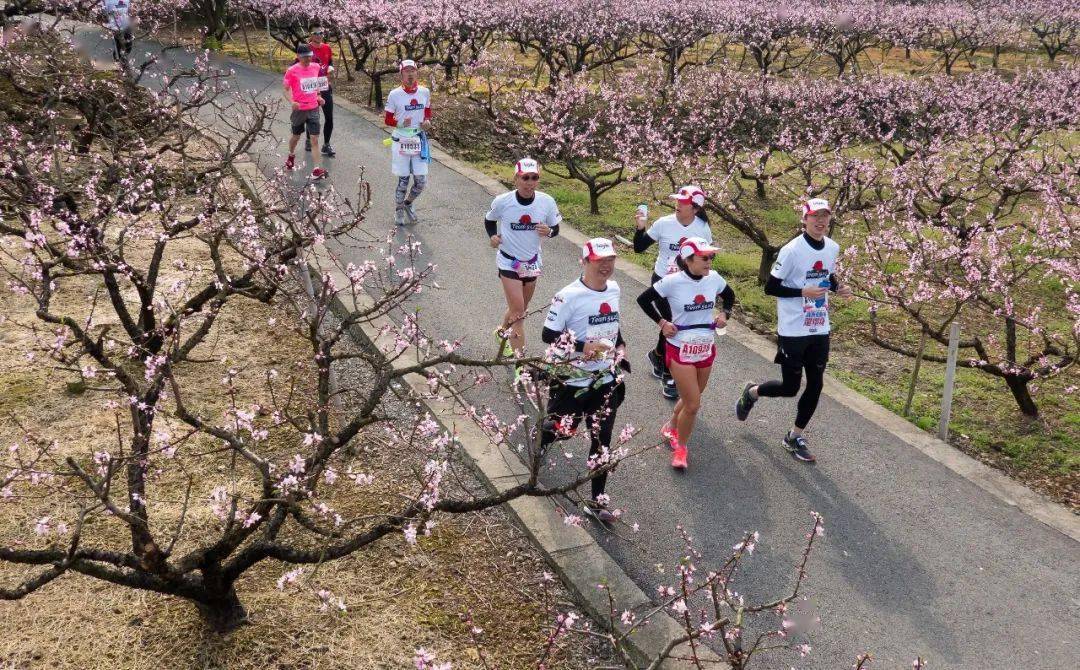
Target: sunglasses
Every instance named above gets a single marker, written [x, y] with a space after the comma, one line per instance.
[530, 177]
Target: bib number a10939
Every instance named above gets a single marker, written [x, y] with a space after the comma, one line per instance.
[697, 347]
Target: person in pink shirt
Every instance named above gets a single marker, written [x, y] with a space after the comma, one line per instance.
[303, 84]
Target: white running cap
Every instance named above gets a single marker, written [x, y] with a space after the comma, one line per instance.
[407, 63]
[695, 245]
[526, 166]
[815, 205]
[597, 248]
[692, 193]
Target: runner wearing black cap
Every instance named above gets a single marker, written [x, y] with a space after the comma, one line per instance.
[801, 279]
[302, 83]
[688, 220]
[587, 383]
[691, 296]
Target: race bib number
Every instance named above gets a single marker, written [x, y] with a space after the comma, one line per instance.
[409, 146]
[314, 84]
[606, 331]
[526, 270]
[816, 312]
[696, 347]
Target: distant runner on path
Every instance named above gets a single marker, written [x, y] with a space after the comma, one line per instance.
[591, 388]
[324, 56]
[801, 280]
[690, 297]
[516, 223]
[302, 83]
[118, 14]
[408, 112]
[688, 220]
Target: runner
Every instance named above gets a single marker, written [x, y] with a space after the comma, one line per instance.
[801, 279]
[690, 295]
[689, 220]
[515, 225]
[119, 22]
[408, 112]
[324, 56]
[302, 82]
[588, 309]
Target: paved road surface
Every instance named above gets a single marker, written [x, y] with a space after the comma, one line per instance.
[916, 559]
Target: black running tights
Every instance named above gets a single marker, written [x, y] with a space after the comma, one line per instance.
[789, 387]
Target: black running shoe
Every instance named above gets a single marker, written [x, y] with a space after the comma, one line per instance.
[328, 150]
[657, 364]
[745, 404]
[798, 447]
[671, 392]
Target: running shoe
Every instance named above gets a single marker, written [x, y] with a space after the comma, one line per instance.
[290, 162]
[328, 150]
[598, 511]
[745, 403]
[399, 216]
[657, 364]
[798, 447]
[678, 457]
[307, 144]
[319, 173]
[507, 350]
[410, 214]
[670, 391]
[669, 434]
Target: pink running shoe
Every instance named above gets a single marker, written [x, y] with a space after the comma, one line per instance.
[678, 459]
[669, 434]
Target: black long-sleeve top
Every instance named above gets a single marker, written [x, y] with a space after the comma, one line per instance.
[642, 241]
[649, 299]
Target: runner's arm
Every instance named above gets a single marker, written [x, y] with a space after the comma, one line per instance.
[390, 119]
[491, 227]
[775, 287]
[642, 240]
[727, 299]
[647, 302]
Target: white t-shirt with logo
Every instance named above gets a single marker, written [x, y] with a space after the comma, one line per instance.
[592, 316]
[408, 108]
[667, 231]
[799, 265]
[692, 302]
[517, 227]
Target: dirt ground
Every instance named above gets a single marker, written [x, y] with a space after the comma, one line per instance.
[475, 571]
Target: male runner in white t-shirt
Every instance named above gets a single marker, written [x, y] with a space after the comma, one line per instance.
[408, 112]
[589, 385]
[801, 280]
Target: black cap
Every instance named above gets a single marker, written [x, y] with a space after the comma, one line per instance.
[304, 50]
[318, 31]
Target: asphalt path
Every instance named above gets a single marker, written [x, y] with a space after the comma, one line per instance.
[916, 560]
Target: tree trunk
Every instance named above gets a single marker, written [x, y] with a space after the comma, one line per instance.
[768, 257]
[759, 188]
[1019, 388]
[594, 199]
[223, 614]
